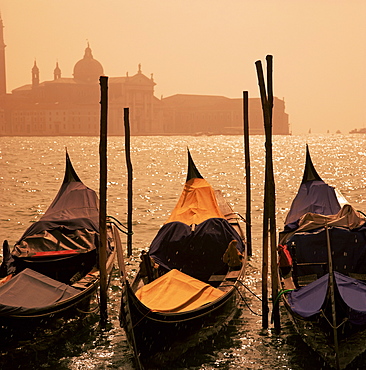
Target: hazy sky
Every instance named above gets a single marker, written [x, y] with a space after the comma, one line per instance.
[205, 47]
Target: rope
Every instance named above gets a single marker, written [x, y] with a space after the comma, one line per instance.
[117, 226]
[246, 303]
[330, 324]
[279, 295]
[119, 222]
[242, 297]
[141, 319]
[122, 231]
[249, 290]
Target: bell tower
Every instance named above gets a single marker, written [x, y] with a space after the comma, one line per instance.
[35, 75]
[57, 72]
[2, 60]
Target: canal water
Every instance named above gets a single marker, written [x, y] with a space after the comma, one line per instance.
[31, 172]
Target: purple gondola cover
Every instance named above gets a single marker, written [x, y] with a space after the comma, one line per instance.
[308, 301]
[315, 197]
[353, 293]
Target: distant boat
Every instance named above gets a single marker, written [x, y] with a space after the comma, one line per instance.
[203, 134]
[360, 131]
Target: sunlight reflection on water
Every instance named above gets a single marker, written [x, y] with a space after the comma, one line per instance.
[32, 170]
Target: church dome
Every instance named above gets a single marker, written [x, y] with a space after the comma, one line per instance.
[88, 69]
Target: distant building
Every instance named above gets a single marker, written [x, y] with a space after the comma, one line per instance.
[70, 106]
[205, 114]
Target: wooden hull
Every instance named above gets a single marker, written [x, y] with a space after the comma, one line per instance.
[162, 337]
[319, 337]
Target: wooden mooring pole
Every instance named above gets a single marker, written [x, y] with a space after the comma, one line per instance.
[103, 200]
[272, 199]
[129, 180]
[269, 213]
[248, 217]
[265, 308]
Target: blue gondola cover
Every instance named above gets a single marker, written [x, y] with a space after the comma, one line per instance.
[197, 253]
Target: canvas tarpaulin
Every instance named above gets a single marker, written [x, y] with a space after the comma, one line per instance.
[315, 197]
[308, 301]
[309, 249]
[177, 292]
[353, 293]
[347, 217]
[196, 204]
[197, 253]
[69, 225]
[198, 250]
[29, 290]
[74, 208]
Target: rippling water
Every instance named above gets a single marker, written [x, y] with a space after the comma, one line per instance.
[32, 171]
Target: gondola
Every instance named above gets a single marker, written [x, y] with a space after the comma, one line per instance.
[52, 271]
[186, 288]
[322, 264]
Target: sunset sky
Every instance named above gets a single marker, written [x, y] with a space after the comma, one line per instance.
[205, 47]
